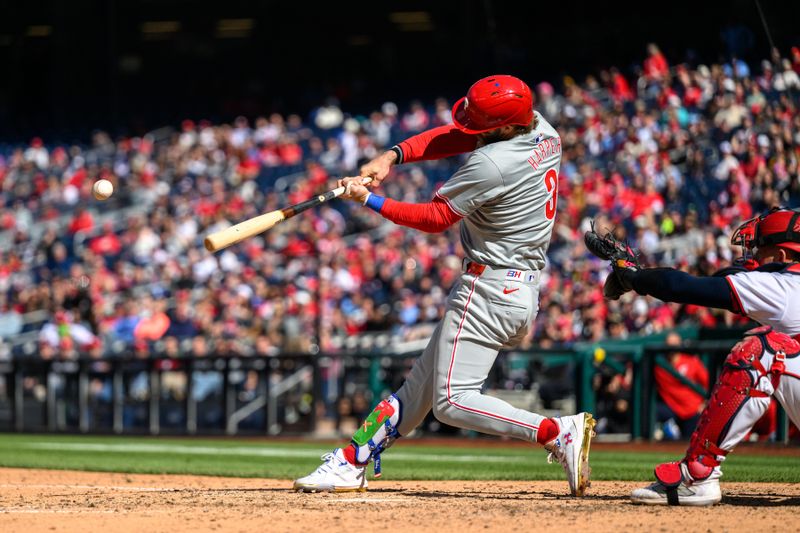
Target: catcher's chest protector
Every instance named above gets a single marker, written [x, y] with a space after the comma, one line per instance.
[750, 375]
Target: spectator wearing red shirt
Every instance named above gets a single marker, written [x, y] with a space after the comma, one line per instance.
[680, 405]
[107, 243]
[289, 151]
[620, 88]
[82, 221]
[655, 66]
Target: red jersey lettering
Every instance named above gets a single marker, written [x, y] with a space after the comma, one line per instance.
[551, 184]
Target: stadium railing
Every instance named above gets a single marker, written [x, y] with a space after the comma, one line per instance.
[291, 393]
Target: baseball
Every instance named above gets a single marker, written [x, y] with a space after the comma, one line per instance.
[102, 189]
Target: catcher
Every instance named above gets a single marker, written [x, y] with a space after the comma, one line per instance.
[765, 288]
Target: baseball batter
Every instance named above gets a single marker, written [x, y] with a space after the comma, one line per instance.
[505, 199]
[764, 365]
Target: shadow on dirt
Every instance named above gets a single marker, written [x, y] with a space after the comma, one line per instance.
[486, 495]
[761, 500]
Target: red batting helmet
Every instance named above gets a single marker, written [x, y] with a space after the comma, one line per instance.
[779, 226]
[494, 102]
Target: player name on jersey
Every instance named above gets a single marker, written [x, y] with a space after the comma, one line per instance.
[544, 150]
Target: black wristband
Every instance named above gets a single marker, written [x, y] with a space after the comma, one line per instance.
[396, 149]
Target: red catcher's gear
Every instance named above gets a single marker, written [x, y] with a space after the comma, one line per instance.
[735, 387]
[737, 402]
[779, 226]
[494, 102]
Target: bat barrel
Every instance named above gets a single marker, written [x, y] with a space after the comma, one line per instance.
[216, 242]
[230, 236]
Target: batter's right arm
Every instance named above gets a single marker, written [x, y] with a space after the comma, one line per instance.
[432, 217]
[436, 143]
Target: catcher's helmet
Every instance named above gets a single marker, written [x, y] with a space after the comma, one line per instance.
[494, 102]
[779, 226]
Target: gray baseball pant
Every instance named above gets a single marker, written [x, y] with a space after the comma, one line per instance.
[484, 314]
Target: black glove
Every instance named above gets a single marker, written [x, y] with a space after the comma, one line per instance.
[622, 257]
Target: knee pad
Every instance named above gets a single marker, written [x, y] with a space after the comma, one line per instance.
[378, 432]
[776, 342]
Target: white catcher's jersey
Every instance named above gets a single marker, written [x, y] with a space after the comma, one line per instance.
[507, 193]
[770, 298]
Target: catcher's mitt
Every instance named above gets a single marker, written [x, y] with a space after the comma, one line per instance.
[622, 258]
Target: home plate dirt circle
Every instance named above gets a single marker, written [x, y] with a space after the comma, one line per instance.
[52, 500]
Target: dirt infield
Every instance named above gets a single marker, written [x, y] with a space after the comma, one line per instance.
[50, 500]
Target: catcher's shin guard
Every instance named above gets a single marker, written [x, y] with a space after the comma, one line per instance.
[378, 432]
[742, 394]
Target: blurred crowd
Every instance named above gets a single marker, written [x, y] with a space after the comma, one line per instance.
[672, 158]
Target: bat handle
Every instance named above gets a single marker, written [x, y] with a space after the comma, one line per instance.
[337, 192]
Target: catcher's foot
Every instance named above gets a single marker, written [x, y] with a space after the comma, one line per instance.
[571, 449]
[334, 475]
[697, 494]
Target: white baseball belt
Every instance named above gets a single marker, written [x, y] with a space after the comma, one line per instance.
[506, 274]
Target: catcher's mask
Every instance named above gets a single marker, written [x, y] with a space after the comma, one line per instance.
[779, 226]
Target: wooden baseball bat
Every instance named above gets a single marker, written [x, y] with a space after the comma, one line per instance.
[219, 240]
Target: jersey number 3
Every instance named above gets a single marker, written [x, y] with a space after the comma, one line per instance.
[551, 184]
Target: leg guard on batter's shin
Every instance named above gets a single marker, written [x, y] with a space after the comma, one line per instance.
[378, 432]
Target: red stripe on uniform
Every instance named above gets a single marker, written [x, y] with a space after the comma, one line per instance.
[450, 373]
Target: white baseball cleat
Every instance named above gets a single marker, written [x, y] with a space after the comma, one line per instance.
[571, 449]
[697, 494]
[334, 475]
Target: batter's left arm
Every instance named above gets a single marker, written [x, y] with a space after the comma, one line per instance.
[436, 143]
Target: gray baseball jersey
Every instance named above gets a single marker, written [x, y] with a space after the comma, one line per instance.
[506, 193]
